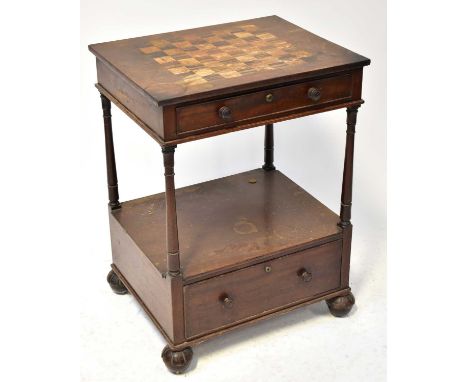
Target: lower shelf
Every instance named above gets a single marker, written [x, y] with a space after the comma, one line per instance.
[229, 223]
[252, 245]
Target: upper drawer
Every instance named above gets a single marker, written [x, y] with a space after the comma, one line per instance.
[219, 113]
[253, 291]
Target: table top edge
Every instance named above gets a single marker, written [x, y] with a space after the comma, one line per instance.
[357, 61]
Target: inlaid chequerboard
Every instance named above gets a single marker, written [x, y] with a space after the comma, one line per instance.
[180, 66]
[223, 53]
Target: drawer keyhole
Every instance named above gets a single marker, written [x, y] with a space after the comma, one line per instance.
[305, 275]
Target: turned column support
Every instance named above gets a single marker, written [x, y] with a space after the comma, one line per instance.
[347, 185]
[172, 236]
[269, 148]
[112, 185]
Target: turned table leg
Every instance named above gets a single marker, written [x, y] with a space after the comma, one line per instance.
[340, 306]
[172, 236]
[347, 184]
[177, 361]
[112, 186]
[269, 148]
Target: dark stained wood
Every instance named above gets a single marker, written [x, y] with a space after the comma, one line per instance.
[346, 194]
[340, 306]
[168, 66]
[177, 361]
[245, 247]
[142, 279]
[269, 148]
[357, 84]
[165, 80]
[177, 302]
[112, 184]
[150, 131]
[170, 118]
[172, 238]
[234, 297]
[247, 222]
[346, 256]
[115, 283]
[347, 184]
[274, 313]
[131, 97]
[205, 116]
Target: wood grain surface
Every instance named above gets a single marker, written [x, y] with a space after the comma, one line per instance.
[231, 251]
[220, 231]
[176, 66]
[260, 288]
[204, 116]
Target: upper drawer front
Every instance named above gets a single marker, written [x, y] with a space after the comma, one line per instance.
[236, 296]
[206, 116]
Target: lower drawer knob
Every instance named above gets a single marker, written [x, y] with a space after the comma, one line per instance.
[226, 300]
[314, 94]
[305, 275]
[224, 113]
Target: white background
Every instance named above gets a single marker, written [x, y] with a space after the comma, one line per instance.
[118, 342]
[52, 198]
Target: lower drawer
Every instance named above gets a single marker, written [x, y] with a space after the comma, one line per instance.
[234, 297]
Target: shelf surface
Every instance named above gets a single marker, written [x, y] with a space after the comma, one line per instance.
[223, 223]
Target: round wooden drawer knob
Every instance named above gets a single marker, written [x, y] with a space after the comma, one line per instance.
[305, 275]
[314, 94]
[224, 113]
[226, 300]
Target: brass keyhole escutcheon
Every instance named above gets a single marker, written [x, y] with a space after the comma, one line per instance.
[267, 269]
[269, 97]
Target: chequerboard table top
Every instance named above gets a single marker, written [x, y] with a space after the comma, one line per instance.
[179, 65]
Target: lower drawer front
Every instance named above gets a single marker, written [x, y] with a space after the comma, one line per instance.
[227, 299]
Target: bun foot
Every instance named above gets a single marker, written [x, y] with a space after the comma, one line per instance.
[115, 283]
[177, 361]
[340, 306]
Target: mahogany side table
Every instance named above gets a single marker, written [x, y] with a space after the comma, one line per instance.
[249, 246]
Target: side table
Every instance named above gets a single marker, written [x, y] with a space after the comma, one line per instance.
[250, 246]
